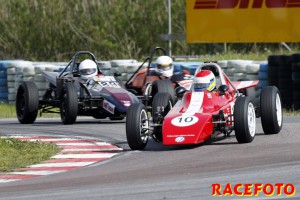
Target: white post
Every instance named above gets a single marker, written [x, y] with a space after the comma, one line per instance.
[170, 28]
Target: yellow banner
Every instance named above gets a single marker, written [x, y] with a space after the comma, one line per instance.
[213, 21]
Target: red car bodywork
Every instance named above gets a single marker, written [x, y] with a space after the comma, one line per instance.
[190, 121]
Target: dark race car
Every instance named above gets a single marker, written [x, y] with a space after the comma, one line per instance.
[146, 82]
[99, 96]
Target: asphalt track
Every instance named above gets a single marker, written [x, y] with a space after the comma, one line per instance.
[161, 172]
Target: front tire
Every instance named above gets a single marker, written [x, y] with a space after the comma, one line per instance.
[137, 126]
[244, 120]
[27, 102]
[271, 111]
[69, 104]
[160, 100]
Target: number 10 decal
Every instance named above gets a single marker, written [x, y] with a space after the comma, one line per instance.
[184, 121]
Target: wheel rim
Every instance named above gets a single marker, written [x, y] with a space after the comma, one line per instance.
[144, 126]
[278, 110]
[251, 119]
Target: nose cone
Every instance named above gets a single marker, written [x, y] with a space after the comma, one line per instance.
[187, 129]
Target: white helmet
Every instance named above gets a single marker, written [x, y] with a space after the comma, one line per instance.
[87, 69]
[204, 80]
[165, 66]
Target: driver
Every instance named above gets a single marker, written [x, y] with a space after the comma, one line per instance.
[87, 69]
[164, 66]
[204, 80]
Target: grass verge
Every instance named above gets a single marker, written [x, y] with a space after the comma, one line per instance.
[9, 111]
[16, 153]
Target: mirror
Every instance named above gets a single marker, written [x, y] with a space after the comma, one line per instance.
[222, 89]
[180, 91]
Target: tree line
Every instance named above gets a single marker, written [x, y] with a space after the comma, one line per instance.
[111, 29]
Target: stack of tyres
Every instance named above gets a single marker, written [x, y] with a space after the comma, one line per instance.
[120, 67]
[273, 69]
[296, 81]
[3, 83]
[105, 67]
[190, 66]
[285, 82]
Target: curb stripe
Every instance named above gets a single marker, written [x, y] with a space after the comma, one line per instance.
[75, 153]
[50, 168]
[62, 160]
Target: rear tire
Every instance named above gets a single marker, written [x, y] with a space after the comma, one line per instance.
[244, 120]
[271, 110]
[136, 121]
[69, 104]
[161, 100]
[161, 86]
[27, 102]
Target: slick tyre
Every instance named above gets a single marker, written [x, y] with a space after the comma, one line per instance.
[271, 110]
[160, 100]
[69, 104]
[244, 120]
[27, 102]
[163, 86]
[137, 126]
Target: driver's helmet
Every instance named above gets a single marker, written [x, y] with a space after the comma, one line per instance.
[204, 80]
[164, 66]
[87, 69]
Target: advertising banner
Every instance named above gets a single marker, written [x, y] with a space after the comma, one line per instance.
[218, 21]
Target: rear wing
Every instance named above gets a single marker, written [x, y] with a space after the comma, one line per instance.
[244, 84]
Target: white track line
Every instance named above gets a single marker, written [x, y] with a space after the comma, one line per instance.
[100, 155]
[8, 180]
[37, 172]
[66, 164]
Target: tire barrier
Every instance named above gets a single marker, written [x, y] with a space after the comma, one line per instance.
[282, 71]
[296, 81]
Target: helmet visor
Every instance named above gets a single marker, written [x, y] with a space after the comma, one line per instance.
[164, 67]
[88, 71]
[201, 86]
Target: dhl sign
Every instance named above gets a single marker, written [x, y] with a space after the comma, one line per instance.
[208, 4]
[243, 21]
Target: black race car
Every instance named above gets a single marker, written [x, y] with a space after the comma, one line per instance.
[70, 95]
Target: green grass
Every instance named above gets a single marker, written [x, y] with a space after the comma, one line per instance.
[9, 111]
[16, 153]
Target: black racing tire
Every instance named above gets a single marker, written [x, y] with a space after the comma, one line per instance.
[271, 110]
[296, 76]
[163, 86]
[161, 100]
[296, 67]
[274, 60]
[296, 96]
[69, 104]
[296, 57]
[244, 120]
[296, 105]
[136, 120]
[27, 102]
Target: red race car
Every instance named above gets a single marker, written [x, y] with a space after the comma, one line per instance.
[200, 115]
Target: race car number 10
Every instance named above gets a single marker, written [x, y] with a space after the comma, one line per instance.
[184, 120]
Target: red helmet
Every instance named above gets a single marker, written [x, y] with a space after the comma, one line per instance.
[204, 80]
